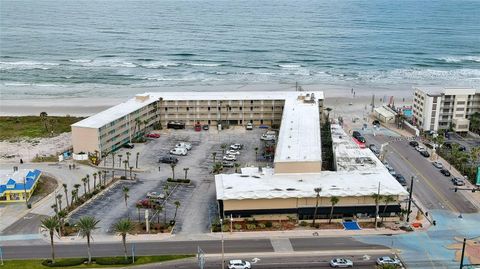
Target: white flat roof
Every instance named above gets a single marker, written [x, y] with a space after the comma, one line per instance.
[299, 136]
[282, 186]
[100, 119]
[385, 112]
[446, 91]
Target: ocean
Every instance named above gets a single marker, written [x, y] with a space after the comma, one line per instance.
[85, 48]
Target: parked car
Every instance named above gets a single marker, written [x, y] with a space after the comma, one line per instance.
[153, 135]
[168, 159]
[425, 153]
[148, 203]
[155, 195]
[229, 158]
[232, 152]
[175, 125]
[239, 264]
[458, 181]
[445, 172]
[376, 123]
[413, 143]
[420, 148]
[388, 260]
[179, 151]
[197, 127]
[268, 137]
[374, 149]
[438, 165]
[356, 134]
[236, 146]
[249, 126]
[387, 165]
[228, 164]
[340, 262]
[401, 179]
[129, 146]
[205, 127]
[184, 145]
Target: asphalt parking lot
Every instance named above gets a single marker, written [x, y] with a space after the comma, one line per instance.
[198, 204]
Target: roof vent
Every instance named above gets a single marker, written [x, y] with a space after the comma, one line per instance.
[291, 189]
[277, 189]
[229, 188]
[256, 176]
[244, 176]
[300, 180]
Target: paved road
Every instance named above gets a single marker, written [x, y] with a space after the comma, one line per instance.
[434, 190]
[187, 247]
[276, 261]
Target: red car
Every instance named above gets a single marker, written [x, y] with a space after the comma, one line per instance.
[198, 127]
[153, 135]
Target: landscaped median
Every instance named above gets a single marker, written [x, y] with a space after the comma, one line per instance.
[99, 262]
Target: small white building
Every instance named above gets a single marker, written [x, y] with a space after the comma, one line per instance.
[385, 114]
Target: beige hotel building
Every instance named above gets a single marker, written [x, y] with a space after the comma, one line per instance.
[110, 129]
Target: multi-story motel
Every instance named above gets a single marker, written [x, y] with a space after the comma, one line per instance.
[439, 109]
[118, 125]
[288, 189]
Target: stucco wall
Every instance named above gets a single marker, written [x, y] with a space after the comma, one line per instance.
[84, 139]
[298, 167]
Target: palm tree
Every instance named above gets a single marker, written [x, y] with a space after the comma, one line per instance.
[158, 209]
[76, 187]
[223, 146]
[94, 180]
[317, 197]
[177, 205]
[51, 224]
[333, 200]
[387, 199]
[214, 155]
[186, 172]
[138, 206]
[88, 182]
[124, 227]
[236, 165]
[172, 165]
[66, 193]
[136, 160]
[128, 158]
[104, 177]
[217, 167]
[84, 180]
[62, 214]
[125, 191]
[120, 159]
[55, 208]
[113, 159]
[59, 199]
[44, 119]
[377, 197]
[74, 193]
[86, 225]
[113, 175]
[125, 163]
[131, 169]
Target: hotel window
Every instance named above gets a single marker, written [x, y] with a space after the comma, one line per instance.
[251, 108]
[166, 109]
[208, 108]
[251, 101]
[240, 108]
[188, 108]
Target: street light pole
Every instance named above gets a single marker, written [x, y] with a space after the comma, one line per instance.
[223, 251]
[463, 252]
[410, 199]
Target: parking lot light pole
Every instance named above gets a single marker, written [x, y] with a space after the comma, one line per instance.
[463, 252]
[223, 250]
[410, 198]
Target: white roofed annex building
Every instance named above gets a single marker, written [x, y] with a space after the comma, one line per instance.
[288, 189]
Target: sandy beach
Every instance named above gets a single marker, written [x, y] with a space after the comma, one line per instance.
[86, 106]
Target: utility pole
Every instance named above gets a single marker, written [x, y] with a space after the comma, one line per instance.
[410, 199]
[463, 252]
[223, 250]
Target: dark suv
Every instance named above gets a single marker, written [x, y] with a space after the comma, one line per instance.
[413, 143]
[357, 135]
[168, 159]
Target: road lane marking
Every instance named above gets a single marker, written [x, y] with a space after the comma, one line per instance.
[440, 196]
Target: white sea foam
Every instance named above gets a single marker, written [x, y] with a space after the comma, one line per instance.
[154, 65]
[25, 65]
[290, 65]
[459, 59]
[79, 60]
[204, 64]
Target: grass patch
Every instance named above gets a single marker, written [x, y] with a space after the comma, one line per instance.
[108, 262]
[34, 126]
[45, 186]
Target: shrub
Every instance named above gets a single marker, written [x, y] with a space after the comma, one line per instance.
[187, 181]
[123, 178]
[237, 226]
[113, 260]
[276, 225]
[95, 192]
[262, 226]
[303, 223]
[268, 224]
[102, 187]
[251, 226]
[64, 262]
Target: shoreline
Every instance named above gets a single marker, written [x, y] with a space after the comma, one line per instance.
[86, 106]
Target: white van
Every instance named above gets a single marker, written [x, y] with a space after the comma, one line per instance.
[184, 145]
